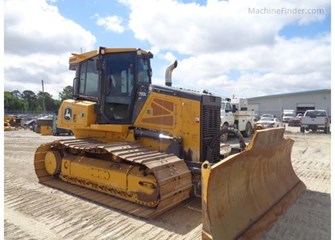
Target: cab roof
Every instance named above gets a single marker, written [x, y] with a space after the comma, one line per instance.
[79, 57]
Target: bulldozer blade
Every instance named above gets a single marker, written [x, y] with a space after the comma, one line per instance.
[243, 195]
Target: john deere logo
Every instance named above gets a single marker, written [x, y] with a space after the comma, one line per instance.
[68, 114]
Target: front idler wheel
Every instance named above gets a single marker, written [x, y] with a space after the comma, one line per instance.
[53, 162]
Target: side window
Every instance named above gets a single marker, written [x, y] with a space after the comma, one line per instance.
[82, 78]
[143, 70]
[126, 82]
[89, 79]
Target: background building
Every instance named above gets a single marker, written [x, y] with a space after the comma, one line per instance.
[298, 101]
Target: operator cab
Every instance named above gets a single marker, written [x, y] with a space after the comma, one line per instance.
[116, 79]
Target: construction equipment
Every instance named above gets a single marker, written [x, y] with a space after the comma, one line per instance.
[46, 122]
[144, 148]
[11, 123]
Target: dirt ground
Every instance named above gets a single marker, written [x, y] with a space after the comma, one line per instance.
[34, 211]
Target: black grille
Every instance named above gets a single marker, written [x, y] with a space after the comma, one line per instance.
[210, 126]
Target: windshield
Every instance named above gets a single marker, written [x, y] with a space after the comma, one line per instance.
[226, 106]
[316, 113]
[267, 119]
[288, 115]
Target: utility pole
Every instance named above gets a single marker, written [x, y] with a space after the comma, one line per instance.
[43, 97]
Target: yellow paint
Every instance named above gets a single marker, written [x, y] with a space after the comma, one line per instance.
[99, 171]
[79, 57]
[82, 114]
[46, 130]
[123, 180]
[82, 122]
[154, 144]
[170, 115]
[239, 193]
[66, 167]
[175, 116]
[110, 128]
[51, 162]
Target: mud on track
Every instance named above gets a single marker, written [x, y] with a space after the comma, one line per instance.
[34, 211]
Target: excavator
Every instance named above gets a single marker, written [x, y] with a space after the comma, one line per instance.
[143, 149]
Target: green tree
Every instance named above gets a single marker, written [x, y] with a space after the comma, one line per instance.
[50, 104]
[67, 93]
[12, 102]
[30, 100]
[17, 94]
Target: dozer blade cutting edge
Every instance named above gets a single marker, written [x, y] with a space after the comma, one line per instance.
[245, 193]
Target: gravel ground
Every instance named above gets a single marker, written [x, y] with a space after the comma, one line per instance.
[33, 211]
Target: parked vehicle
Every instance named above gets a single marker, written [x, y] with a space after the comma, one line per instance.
[296, 121]
[235, 114]
[268, 122]
[227, 117]
[288, 115]
[244, 117]
[314, 120]
[267, 115]
[29, 124]
[43, 121]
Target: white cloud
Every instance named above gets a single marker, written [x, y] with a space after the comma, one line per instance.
[169, 57]
[26, 73]
[110, 23]
[221, 46]
[218, 26]
[234, 47]
[38, 43]
[287, 66]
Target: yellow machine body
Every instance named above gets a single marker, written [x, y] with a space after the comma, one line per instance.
[80, 118]
[150, 160]
[170, 115]
[175, 116]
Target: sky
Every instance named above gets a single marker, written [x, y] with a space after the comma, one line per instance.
[231, 48]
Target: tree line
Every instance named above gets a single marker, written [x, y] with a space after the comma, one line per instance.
[29, 102]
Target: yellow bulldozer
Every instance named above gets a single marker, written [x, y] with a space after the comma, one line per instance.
[143, 149]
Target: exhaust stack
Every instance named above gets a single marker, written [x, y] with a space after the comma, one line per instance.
[168, 73]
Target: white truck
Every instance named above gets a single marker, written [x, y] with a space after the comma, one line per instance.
[227, 117]
[235, 113]
[288, 115]
[314, 120]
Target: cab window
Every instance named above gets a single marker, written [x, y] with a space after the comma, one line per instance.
[143, 70]
[89, 78]
[229, 107]
[120, 86]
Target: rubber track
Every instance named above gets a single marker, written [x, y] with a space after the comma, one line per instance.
[172, 174]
